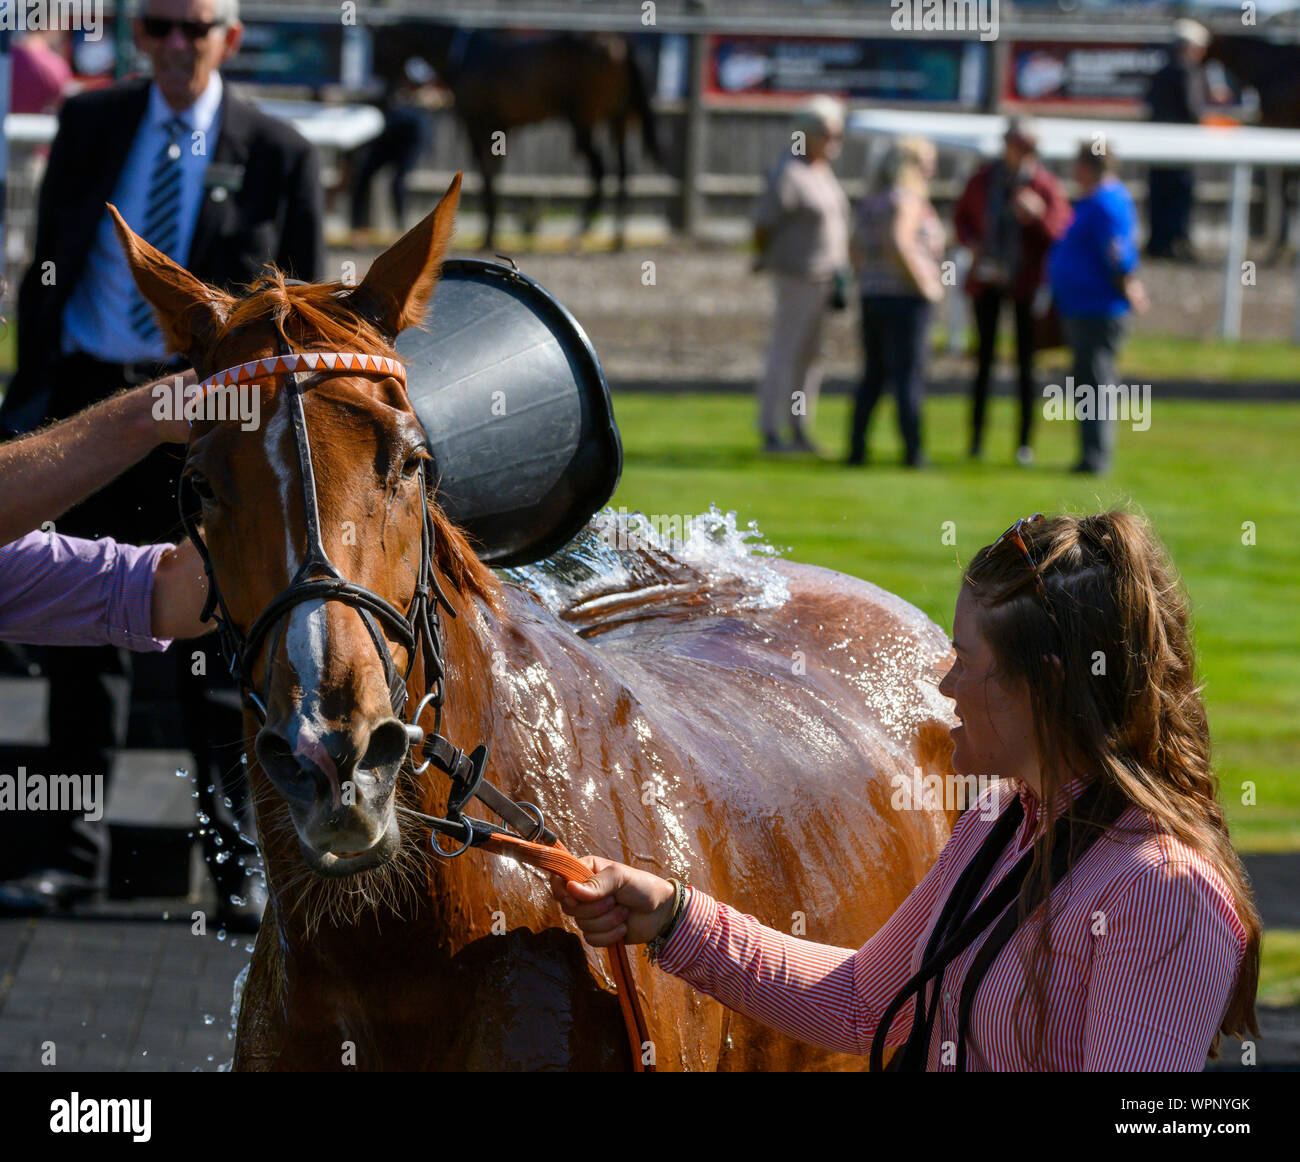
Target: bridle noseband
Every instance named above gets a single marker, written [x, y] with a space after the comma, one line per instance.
[418, 630]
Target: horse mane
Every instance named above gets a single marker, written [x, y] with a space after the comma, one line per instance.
[317, 314]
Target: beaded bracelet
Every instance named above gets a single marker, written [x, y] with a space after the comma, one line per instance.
[657, 945]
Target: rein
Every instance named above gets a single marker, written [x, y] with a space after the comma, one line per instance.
[418, 631]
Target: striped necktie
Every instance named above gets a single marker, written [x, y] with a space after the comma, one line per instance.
[161, 218]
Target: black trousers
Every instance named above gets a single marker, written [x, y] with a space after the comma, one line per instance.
[987, 307]
[893, 346]
[407, 133]
[1170, 196]
[87, 715]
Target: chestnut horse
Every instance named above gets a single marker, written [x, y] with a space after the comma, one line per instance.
[749, 743]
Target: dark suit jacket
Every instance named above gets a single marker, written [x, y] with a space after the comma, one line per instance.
[273, 216]
[1177, 93]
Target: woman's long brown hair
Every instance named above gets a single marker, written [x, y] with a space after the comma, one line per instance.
[1106, 653]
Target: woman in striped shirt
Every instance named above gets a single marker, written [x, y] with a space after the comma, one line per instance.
[1088, 912]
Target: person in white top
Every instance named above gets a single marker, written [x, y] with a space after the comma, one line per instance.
[801, 234]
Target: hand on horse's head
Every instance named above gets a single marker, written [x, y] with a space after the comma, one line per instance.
[618, 903]
[169, 427]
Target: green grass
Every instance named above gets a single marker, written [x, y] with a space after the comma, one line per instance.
[1279, 968]
[1199, 472]
[1162, 358]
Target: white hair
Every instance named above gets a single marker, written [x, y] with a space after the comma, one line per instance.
[1191, 32]
[821, 114]
[223, 11]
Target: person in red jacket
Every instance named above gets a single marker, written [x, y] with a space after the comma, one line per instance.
[1009, 214]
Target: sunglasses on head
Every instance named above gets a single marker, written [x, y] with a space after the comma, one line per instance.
[159, 27]
[1013, 536]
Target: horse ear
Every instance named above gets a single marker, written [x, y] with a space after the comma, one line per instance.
[400, 282]
[189, 311]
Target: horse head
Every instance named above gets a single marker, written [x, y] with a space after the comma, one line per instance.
[322, 538]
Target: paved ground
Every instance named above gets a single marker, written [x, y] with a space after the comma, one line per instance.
[116, 993]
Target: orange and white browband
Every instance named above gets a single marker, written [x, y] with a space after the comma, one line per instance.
[307, 361]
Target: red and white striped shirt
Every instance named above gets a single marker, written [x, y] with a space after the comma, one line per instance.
[1124, 992]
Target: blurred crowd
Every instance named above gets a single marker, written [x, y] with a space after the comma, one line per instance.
[1068, 272]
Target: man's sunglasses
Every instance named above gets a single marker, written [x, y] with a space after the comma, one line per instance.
[1013, 536]
[159, 27]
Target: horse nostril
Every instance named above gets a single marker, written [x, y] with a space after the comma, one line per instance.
[386, 747]
[277, 758]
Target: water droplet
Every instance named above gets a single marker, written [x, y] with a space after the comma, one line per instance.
[209, 1019]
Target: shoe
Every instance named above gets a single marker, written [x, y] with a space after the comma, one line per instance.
[1024, 455]
[1084, 469]
[803, 443]
[917, 460]
[775, 446]
[855, 460]
[45, 892]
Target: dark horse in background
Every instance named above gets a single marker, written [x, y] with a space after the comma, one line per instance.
[1273, 71]
[501, 81]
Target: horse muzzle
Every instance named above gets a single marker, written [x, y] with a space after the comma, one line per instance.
[341, 805]
[336, 861]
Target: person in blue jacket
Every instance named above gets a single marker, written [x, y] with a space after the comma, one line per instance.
[1093, 276]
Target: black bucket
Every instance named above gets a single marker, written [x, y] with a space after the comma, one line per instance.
[517, 411]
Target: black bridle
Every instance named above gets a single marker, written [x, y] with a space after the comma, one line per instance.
[418, 631]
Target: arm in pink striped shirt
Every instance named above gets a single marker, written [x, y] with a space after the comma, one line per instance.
[1162, 973]
[829, 997]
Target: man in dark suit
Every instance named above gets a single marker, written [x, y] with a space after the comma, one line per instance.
[223, 189]
[1176, 94]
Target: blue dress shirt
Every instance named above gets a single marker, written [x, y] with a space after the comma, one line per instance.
[96, 318]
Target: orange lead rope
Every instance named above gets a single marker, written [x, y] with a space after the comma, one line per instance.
[558, 859]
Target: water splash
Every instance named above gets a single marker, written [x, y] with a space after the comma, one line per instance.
[622, 552]
[237, 997]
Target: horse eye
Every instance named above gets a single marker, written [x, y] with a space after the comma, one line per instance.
[413, 462]
[202, 489]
